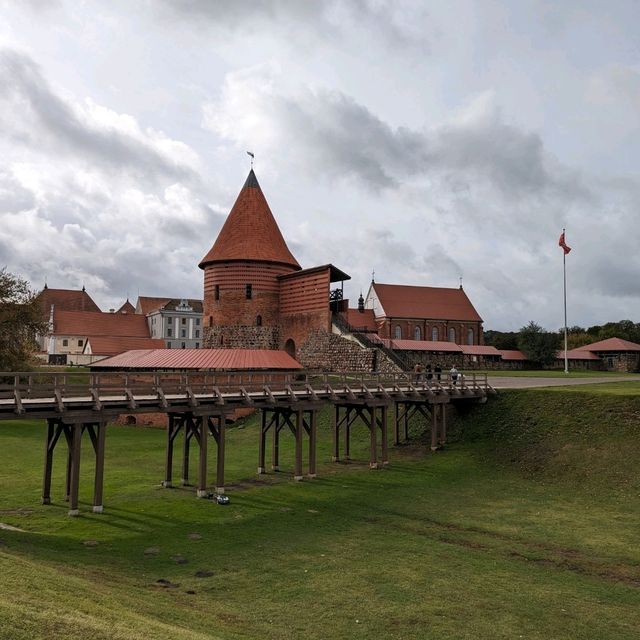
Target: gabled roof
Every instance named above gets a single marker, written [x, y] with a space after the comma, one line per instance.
[362, 319]
[611, 344]
[66, 300]
[127, 307]
[250, 232]
[429, 303]
[170, 305]
[512, 355]
[425, 345]
[577, 354]
[87, 323]
[111, 346]
[479, 350]
[146, 305]
[201, 359]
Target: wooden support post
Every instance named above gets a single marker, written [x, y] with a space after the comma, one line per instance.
[384, 436]
[168, 464]
[98, 484]
[74, 484]
[406, 423]
[434, 427]
[335, 434]
[262, 443]
[68, 436]
[275, 454]
[396, 424]
[443, 426]
[187, 422]
[297, 474]
[313, 429]
[48, 461]
[373, 442]
[220, 458]
[202, 433]
[347, 434]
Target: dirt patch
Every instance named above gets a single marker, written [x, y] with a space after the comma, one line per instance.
[9, 527]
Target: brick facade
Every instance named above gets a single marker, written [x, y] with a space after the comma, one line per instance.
[408, 326]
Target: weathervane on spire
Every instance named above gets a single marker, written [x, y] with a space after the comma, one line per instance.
[461, 282]
[249, 153]
[373, 275]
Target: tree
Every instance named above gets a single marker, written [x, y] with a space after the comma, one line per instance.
[538, 345]
[20, 321]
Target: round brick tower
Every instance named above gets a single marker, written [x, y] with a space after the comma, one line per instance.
[241, 286]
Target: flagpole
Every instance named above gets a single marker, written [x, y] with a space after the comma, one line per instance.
[564, 273]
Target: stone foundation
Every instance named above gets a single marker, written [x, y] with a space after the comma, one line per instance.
[241, 337]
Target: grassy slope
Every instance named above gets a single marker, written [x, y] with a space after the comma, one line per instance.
[526, 526]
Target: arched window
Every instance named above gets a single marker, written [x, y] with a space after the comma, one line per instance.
[470, 336]
[417, 334]
[211, 321]
[258, 321]
[434, 334]
[452, 335]
[397, 332]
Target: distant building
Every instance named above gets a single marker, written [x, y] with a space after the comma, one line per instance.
[80, 337]
[127, 307]
[178, 322]
[65, 300]
[432, 314]
[612, 354]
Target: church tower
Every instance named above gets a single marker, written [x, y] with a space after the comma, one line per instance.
[241, 286]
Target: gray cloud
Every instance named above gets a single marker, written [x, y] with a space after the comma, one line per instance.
[33, 115]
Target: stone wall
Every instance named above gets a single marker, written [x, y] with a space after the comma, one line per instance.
[326, 351]
[241, 337]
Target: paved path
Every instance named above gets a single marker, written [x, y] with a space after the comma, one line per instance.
[504, 382]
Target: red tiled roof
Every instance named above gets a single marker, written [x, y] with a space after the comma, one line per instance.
[611, 344]
[250, 231]
[425, 345]
[66, 300]
[202, 359]
[479, 350]
[146, 304]
[512, 354]
[108, 346]
[85, 323]
[127, 307]
[577, 354]
[433, 303]
[362, 320]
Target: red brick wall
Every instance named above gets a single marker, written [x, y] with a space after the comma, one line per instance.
[233, 308]
[304, 306]
[426, 327]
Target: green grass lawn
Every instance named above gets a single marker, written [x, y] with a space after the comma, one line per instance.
[555, 373]
[525, 526]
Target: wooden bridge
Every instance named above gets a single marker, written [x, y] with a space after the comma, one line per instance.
[199, 403]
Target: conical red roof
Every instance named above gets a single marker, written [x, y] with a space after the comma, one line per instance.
[250, 231]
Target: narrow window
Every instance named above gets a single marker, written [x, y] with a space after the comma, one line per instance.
[470, 336]
[217, 292]
[169, 320]
[248, 292]
[197, 333]
[169, 332]
[184, 321]
[398, 332]
[197, 345]
[417, 334]
[197, 322]
[65, 343]
[259, 321]
[183, 333]
[169, 344]
[80, 343]
[434, 334]
[211, 321]
[183, 345]
[452, 335]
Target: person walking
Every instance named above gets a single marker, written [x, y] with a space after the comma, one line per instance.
[438, 371]
[453, 372]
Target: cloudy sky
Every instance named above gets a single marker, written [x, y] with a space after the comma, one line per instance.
[425, 140]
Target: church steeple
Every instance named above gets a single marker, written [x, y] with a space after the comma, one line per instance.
[250, 232]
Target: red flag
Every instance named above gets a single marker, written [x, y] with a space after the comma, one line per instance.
[563, 244]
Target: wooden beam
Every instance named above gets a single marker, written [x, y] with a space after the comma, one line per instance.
[76, 440]
[275, 451]
[335, 434]
[297, 474]
[373, 447]
[220, 454]
[99, 446]
[202, 432]
[52, 427]
[434, 427]
[384, 436]
[313, 430]
[262, 441]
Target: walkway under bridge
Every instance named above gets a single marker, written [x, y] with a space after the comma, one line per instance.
[199, 405]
